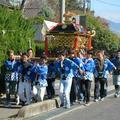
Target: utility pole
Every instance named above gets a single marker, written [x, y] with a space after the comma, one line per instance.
[84, 6]
[62, 10]
[88, 5]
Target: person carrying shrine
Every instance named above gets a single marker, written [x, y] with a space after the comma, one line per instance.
[11, 77]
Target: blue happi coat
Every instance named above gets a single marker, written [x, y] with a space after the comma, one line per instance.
[116, 73]
[66, 68]
[11, 73]
[116, 62]
[107, 67]
[89, 67]
[24, 71]
[80, 63]
[51, 71]
[42, 71]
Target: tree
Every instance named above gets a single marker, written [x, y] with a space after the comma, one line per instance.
[46, 12]
[104, 38]
[15, 32]
[74, 4]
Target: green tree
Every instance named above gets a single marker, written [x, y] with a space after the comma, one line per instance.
[46, 12]
[104, 38]
[74, 4]
[15, 32]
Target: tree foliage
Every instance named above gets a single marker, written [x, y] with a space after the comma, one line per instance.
[15, 32]
[74, 4]
[104, 39]
[46, 12]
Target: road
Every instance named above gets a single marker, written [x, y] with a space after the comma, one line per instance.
[14, 109]
[109, 109]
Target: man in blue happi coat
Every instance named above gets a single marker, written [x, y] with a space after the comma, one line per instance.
[11, 76]
[24, 76]
[41, 71]
[65, 67]
[75, 88]
[88, 77]
[116, 74]
[102, 68]
[51, 79]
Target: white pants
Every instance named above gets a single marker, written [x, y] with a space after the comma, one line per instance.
[65, 87]
[39, 92]
[24, 91]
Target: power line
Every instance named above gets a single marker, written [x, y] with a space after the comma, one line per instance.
[107, 3]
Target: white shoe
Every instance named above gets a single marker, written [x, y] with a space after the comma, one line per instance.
[116, 96]
[96, 100]
[102, 99]
[87, 104]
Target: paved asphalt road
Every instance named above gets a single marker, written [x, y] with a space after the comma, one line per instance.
[106, 110]
[6, 112]
[109, 109]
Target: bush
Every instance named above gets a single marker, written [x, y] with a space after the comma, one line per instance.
[15, 32]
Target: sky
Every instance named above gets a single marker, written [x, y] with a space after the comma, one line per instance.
[109, 9]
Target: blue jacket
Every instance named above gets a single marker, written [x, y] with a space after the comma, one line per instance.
[11, 70]
[80, 63]
[89, 67]
[42, 71]
[107, 67]
[24, 71]
[66, 68]
[116, 62]
[51, 71]
[33, 71]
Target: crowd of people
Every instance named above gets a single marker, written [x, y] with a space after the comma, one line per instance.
[29, 80]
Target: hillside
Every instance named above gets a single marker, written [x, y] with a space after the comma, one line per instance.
[115, 27]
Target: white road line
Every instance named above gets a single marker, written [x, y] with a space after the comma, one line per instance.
[76, 108]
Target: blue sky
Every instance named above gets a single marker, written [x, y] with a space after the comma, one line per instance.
[109, 9]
